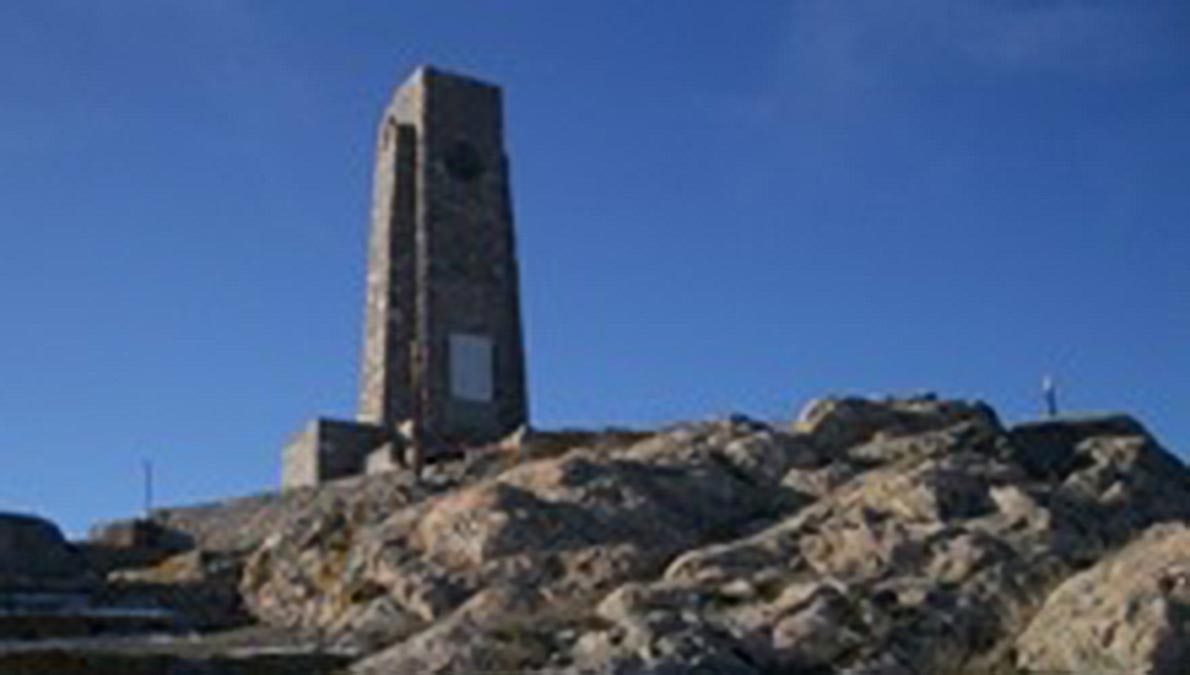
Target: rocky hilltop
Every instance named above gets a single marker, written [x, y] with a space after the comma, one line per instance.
[892, 536]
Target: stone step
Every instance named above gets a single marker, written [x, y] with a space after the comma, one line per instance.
[37, 616]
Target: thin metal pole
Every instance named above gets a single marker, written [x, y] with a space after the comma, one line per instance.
[1049, 392]
[147, 465]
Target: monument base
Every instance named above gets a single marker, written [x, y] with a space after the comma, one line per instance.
[329, 449]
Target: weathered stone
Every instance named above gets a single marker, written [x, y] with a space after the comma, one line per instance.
[328, 450]
[1128, 614]
[34, 554]
[443, 327]
[199, 587]
[816, 633]
[487, 634]
[923, 542]
[1046, 448]
[840, 423]
[571, 525]
[443, 362]
[372, 626]
[1130, 480]
[925, 563]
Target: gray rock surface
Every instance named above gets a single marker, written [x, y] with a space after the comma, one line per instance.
[1129, 613]
[33, 553]
[875, 536]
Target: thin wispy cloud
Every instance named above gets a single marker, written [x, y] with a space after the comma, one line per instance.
[843, 47]
[1102, 38]
[932, 82]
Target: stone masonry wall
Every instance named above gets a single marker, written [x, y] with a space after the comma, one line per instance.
[442, 262]
[389, 325]
[469, 270]
[328, 450]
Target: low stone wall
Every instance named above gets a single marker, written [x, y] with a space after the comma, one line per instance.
[31, 624]
[77, 662]
[241, 524]
[233, 524]
[103, 559]
[328, 450]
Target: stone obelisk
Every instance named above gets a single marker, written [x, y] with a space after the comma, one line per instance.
[443, 364]
[442, 335]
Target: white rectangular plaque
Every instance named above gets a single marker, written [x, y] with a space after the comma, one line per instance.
[471, 367]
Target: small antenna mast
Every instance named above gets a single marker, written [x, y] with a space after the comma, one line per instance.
[147, 466]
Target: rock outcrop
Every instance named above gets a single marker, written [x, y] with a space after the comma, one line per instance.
[34, 555]
[915, 536]
[873, 536]
[1129, 613]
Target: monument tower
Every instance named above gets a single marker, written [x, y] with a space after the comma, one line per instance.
[443, 356]
[442, 336]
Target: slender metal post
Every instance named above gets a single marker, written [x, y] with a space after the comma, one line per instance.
[147, 466]
[1049, 393]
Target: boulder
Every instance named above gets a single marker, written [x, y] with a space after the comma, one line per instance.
[925, 553]
[840, 423]
[34, 554]
[1046, 448]
[1129, 613]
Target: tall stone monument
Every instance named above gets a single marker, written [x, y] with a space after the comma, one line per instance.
[443, 356]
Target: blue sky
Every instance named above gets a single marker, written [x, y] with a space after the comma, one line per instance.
[719, 206]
